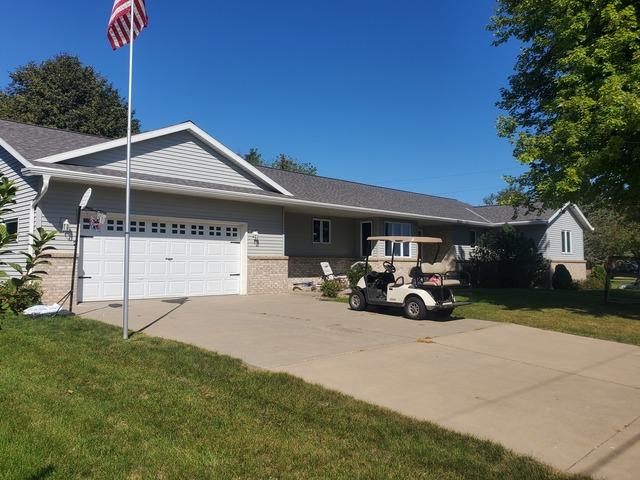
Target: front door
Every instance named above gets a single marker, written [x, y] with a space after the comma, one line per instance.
[365, 232]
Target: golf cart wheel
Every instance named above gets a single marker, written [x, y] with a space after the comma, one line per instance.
[414, 308]
[443, 314]
[357, 301]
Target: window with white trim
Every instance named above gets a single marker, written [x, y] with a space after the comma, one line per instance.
[115, 225]
[397, 249]
[566, 241]
[157, 227]
[12, 227]
[321, 230]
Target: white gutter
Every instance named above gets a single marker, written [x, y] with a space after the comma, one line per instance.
[152, 185]
[34, 205]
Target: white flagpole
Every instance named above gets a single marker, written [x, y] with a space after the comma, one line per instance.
[127, 223]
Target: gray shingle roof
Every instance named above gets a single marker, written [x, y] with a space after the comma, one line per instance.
[32, 141]
[504, 213]
[342, 192]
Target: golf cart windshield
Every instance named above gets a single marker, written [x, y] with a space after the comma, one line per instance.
[406, 239]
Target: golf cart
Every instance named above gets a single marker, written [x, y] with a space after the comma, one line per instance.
[423, 294]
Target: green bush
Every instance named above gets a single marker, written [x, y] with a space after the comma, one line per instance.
[356, 272]
[561, 279]
[330, 288]
[596, 279]
[14, 298]
[599, 272]
[506, 258]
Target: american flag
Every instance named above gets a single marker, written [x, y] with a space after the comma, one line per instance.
[120, 21]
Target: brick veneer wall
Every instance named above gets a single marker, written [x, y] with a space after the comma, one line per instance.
[58, 280]
[304, 269]
[267, 275]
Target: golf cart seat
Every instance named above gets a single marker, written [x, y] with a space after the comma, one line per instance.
[431, 279]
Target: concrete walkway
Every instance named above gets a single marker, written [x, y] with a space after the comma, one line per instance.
[572, 402]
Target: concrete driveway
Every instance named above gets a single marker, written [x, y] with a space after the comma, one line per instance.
[572, 402]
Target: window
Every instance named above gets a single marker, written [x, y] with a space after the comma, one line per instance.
[566, 241]
[158, 227]
[232, 232]
[12, 226]
[135, 226]
[397, 249]
[178, 229]
[115, 225]
[215, 231]
[473, 237]
[321, 230]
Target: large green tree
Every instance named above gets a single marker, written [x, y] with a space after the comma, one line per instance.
[63, 93]
[614, 235]
[573, 103]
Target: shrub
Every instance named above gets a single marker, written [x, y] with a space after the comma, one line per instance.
[23, 290]
[506, 258]
[561, 279]
[15, 298]
[356, 272]
[330, 288]
[596, 279]
[599, 272]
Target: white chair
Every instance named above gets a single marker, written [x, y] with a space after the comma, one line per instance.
[327, 273]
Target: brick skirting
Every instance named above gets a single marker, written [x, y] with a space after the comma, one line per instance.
[58, 281]
[267, 275]
[577, 268]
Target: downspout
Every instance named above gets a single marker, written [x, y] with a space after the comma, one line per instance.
[34, 205]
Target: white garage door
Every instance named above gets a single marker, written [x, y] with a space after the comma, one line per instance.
[168, 258]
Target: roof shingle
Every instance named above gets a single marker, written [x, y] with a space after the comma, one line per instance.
[32, 141]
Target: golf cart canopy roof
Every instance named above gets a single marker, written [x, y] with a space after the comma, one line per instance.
[401, 239]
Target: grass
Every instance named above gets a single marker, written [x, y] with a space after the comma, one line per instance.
[78, 402]
[579, 312]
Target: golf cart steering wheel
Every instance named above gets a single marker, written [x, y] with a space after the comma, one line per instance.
[389, 267]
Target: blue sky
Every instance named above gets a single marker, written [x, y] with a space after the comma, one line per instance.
[400, 94]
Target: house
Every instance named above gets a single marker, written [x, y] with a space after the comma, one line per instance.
[205, 222]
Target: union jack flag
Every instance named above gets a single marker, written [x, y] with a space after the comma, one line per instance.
[118, 31]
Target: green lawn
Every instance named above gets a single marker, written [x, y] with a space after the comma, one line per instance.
[581, 312]
[76, 401]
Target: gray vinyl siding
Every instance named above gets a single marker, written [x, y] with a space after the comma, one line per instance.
[179, 155]
[345, 237]
[553, 239]
[27, 191]
[62, 198]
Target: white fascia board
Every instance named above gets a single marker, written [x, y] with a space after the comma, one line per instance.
[181, 127]
[581, 216]
[152, 185]
[576, 210]
[14, 153]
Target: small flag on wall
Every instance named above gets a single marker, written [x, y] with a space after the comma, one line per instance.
[118, 31]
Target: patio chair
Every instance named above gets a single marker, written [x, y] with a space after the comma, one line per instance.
[327, 273]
